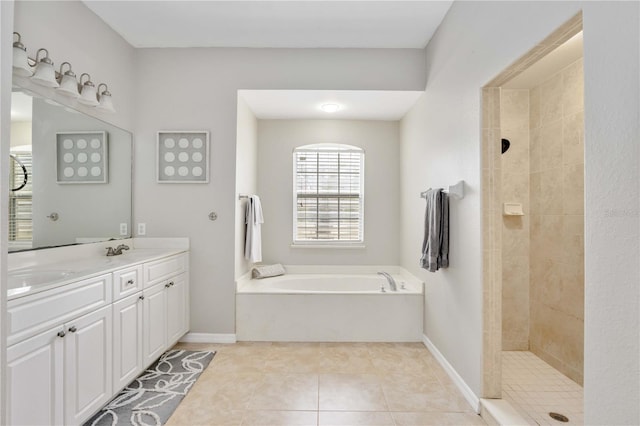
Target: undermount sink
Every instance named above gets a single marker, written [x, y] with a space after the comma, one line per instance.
[31, 277]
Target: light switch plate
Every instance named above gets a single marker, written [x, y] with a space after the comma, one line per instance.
[142, 229]
[123, 229]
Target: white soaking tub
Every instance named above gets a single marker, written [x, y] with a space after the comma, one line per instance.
[310, 305]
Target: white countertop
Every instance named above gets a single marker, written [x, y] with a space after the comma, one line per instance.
[54, 271]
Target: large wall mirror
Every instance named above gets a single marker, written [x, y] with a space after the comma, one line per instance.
[70, 176]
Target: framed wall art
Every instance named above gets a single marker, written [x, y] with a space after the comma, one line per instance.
[82, 157]
[183, 156]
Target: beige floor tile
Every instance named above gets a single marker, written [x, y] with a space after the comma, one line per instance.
[351, 392]
[431, 399]
[355, 418]
[286, 392]
[426, 419]
[352, 383]
[280, 418]
[205, 417]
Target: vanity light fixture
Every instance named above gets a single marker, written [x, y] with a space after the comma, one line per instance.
[330, 107]
[20, 59]
[104, 99]
[45, 74]
[88, 94]
[42, 72]
[68, 83]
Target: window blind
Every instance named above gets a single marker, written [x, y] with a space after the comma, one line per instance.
[328, 195]
[20, 202]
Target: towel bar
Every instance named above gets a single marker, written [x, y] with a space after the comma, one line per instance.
[456, 191]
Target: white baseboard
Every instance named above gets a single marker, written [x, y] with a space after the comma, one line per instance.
[468, 394]
[208, 338]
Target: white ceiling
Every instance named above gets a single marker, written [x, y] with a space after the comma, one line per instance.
[274, 24]
[305, 104]
[536, 74]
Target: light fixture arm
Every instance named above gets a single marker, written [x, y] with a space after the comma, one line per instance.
[88, 82]
[46, 59]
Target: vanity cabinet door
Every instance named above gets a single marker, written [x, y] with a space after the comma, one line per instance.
[127, 340]
[35, 380]
[154, 323]
[176, 308]
[88, 357]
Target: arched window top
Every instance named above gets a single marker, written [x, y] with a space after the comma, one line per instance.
[329, 147]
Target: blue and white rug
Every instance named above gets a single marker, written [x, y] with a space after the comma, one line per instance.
[154, 395]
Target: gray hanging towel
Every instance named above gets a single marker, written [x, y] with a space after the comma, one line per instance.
[435, 246]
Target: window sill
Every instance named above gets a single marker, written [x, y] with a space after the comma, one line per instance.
[328, 246]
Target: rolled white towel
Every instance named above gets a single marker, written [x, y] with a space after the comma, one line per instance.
[265, 271]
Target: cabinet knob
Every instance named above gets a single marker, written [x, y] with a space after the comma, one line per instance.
[61, 333]
[167, 285]
[73, 329]
[141, 297]
[171, 283]
[130, 282]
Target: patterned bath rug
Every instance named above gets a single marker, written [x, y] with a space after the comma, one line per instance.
[155, 394]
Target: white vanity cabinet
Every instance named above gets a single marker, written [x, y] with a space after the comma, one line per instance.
[87, 366]
[72, 347]
[35, 380]
[166, 305]
[63, 375]
[127, 340]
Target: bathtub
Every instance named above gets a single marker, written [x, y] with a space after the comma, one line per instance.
[348, 305]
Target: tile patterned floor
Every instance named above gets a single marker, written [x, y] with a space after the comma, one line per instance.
[534, 389]
[323, 384]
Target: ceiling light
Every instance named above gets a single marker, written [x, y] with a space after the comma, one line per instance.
[330, 107]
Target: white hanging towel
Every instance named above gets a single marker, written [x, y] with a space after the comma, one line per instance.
[253, 238]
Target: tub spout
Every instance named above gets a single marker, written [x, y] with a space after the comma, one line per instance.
[392, 282]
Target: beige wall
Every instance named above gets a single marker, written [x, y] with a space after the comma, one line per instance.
[557, 221]
[20, 133]
[514, 125]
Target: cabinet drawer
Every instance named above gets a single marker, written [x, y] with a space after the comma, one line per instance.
[30, 315]
[126, 282]
[163, 268]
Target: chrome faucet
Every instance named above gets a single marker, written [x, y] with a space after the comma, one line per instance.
[116, 251]
[392, 282]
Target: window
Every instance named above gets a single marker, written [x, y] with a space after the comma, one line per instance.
[20, 223]
[328, 194]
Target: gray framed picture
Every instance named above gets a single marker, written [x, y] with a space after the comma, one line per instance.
[82, 157]
[183, 156]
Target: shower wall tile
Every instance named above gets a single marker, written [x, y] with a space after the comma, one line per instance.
[535, 148]
[573, 189]
[551, 97]
[514, 110]
[551, 145]
[556, 267]
[534, 108]
[573, 138]
[550, 196]
[573, 88]
[515, 247]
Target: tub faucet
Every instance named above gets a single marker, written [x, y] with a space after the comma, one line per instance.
[117, 251]
[392, 282]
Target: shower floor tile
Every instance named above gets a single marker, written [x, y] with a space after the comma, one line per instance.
[535, 389]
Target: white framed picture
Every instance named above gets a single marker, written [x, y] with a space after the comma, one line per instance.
[183, 156]
[82, 157]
